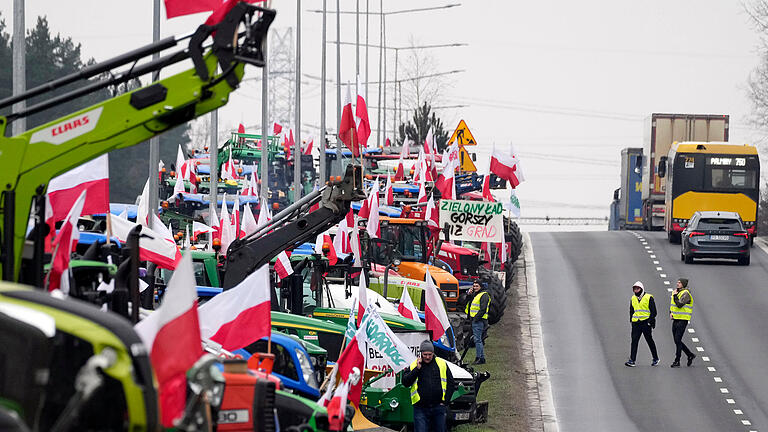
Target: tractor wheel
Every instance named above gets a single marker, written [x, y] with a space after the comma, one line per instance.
[513, 235]
[498, 295]
[509, 268]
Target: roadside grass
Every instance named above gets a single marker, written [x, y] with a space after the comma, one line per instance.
[506, 389]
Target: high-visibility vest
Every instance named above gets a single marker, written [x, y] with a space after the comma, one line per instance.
[641, 307]
[472, 309]
[681, 313]
[442, 367]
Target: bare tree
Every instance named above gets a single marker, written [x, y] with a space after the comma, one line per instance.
[419, 84]
[757, 83]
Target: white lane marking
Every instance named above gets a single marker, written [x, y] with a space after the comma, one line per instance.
[650, 252]
[738, 412]
[730, 401]
[718, 379]
[662, 275]
[694, 339]
[659, 269]
[711, 369]
[546, 400]
[647, 247]
[746, 423]
[667, 283]
[655, 262]
[690, 330]
[669, 289]
[723, 390]
[699, 349]
[705, 358]
[653, 256]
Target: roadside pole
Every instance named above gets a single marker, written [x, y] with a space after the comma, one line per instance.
[154, 143]
[297, 186]
[213, 183]
[323, 174]
[264, 174]
[19, 64]
[338, 85]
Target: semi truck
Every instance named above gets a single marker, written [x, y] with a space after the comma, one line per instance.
[630, 197]
[663, 130]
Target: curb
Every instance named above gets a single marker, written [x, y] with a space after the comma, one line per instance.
[541, 405]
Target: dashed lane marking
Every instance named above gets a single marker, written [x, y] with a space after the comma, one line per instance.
[746, 423]
[711, 369]
[669, 289]
[655, 262]
[662, 275]
[694, 339]
[666, 283]
[699, 349]
[738, 412]
[718, 380]
[723, 390]
[730, 401]
[659, 269]
[647, 247]
[650, 252]
[690, 330]
[705, 358]
[653, 256]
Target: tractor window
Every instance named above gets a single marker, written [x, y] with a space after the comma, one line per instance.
[201, 277]
[411, 246]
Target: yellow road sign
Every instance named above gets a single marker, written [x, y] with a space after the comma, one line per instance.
[462, 135]
[465, 160]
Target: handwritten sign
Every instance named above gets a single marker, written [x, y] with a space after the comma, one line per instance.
[473, 220]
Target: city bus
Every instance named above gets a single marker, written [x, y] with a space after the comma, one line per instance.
[710, 176]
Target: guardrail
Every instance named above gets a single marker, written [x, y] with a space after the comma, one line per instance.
[562, 221]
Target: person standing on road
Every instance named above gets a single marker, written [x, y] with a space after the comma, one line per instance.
[431, 386]
[642, 314]
[477, 313]
[680, 312]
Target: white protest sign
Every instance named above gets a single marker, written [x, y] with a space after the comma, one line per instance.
[473, 220]
[375, 361]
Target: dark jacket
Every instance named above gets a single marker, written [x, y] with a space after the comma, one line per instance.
[651, 306]
[430, 389]
[485, 302]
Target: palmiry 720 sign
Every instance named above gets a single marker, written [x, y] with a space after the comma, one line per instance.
[473, 220]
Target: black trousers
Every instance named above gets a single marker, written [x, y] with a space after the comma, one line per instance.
[642, 328]
[678, 331]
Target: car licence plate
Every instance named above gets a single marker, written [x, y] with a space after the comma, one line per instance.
[461, 416]
[720, 237]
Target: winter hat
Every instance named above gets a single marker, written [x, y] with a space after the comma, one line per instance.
[638, 284]
[684, 282]
[427, 346]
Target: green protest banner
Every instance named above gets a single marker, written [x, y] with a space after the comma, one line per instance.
[473, 220]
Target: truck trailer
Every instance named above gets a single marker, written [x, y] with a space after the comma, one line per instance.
[663, 130]
[630, 192]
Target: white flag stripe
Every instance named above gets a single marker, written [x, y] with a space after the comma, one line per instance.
[96, 169]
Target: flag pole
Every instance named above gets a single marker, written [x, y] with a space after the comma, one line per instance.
[109, 227]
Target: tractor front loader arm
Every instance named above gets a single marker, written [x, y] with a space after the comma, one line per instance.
[31, 159]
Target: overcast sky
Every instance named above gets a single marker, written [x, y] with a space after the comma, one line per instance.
[568, 83]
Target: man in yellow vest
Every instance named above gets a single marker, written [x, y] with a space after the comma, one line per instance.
[642, 314]
[431, 386]
[478, 303]
[680, 312]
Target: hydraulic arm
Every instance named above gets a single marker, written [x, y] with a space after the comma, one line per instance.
[32, 158]
[294, 225]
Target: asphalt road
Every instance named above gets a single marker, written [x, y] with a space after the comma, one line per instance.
[584, 286]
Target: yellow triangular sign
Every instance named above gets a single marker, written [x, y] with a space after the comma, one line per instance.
[465, 160]
[462, 135]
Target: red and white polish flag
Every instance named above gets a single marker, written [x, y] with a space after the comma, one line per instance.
[65, 242]
[435, 317]
[422, 193]
[239, 316]
[361, 117]
[283, 266]
[406, 307]
[487, 188]
[92, 176]
[320, 242]
[200, 228]
[362, 296]
[388, 192]
[506, 167]
[172, 336]
[373, 228]
[249, 222]
[153, 245]
[347, 126]
[432, 214]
